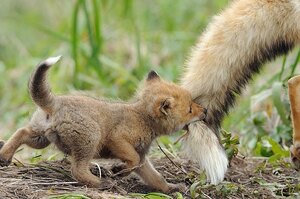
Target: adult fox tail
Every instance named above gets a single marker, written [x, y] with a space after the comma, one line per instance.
[233, 48]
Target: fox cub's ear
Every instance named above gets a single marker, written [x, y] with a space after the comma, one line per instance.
[165, 105]
[152, 75]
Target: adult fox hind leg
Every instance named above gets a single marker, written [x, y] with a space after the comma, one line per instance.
[23, 135]
[233, 48]
[294, 95]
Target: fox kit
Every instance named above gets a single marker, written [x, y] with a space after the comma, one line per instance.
[235, 45]
[87, 128]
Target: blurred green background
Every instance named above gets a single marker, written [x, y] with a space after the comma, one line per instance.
[108, 46]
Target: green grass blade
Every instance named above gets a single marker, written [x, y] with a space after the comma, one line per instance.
[97, 24]
[93, 40]
[75, 37]
[294, 65]
[276, 96]
[282, 68]
[88, 25]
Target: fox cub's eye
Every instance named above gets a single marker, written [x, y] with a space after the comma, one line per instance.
[190, 111]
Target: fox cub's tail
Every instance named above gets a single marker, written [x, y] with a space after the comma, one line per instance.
[39, 88]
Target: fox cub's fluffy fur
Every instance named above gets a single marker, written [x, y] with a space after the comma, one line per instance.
[86, 128]
[236, 43]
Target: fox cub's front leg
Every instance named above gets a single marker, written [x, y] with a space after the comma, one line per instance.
[125, 152]
[154, 179]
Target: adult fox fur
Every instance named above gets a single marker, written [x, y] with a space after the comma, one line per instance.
[86, 128]
[294, 95]
[235, 45]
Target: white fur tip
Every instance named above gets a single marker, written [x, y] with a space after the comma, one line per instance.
[202, 146]
[52, 60]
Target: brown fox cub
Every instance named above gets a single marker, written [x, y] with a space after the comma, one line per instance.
[86, 128]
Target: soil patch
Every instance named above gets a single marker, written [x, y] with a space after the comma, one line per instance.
[246, 178]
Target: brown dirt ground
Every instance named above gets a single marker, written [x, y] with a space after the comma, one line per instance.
[246, 178]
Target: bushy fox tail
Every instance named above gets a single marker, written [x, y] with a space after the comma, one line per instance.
[39, 88]
[228, 54]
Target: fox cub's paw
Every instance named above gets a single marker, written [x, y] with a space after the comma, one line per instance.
[120, 169]
[176, 187]
[117, 167]
[295, 155]
[3, 161]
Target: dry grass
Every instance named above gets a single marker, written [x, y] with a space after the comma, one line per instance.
[246, 178]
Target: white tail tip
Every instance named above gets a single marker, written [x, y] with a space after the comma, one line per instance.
[52, 60]
[202, 146]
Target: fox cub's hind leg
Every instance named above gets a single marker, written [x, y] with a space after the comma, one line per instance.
[23, 135]
[294, 94]
[80, 162]
[81, 172]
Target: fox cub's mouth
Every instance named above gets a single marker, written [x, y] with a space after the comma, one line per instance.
[201, 118]
[186, 126]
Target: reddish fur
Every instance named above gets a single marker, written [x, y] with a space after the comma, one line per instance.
[294, 93]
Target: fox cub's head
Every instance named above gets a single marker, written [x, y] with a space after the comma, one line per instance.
[169, 104]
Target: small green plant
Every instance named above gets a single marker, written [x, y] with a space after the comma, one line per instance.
[198, 184]
[230, 144]
[268, 147]
[227, 189]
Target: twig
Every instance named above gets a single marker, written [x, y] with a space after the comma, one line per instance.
[54, 169]
[206, 195]
[53, 183]
[170, 158]
[19, 161]
[181, 137]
